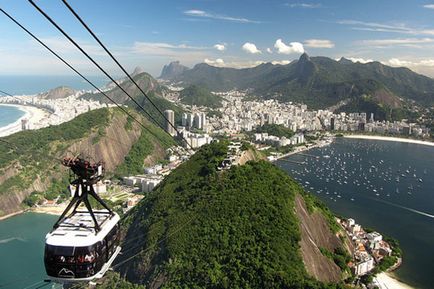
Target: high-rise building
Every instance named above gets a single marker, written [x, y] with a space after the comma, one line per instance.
[332, 123]
[198, 121]
[190, 120]
[203, 118]
[170, 122]
[184, 120]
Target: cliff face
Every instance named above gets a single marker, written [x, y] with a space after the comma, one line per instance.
[316, 234]
[34, 169]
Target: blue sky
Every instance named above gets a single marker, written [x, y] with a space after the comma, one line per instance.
[222, 33]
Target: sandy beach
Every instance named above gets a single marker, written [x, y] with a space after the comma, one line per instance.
[389, 138]
[387, 281]
[51, 210]
[33, 114]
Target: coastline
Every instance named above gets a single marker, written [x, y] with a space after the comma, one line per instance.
[11, 215]
[33, 114]
[389, 138]
[388, 281]
[303, 149]
[49, 210]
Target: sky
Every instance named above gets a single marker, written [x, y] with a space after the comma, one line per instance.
[223, 33]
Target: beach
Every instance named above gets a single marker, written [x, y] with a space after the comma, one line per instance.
[389, 138]
[388, 281]
[51, 210]
[33, 114]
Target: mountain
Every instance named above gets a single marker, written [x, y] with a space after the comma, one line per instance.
[252, 226]
[58, 92]
[103, 134]
[150, 86]
[200, 96]
[319, 82]
[172, 70]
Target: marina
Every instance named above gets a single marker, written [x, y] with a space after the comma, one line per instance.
[385, 185]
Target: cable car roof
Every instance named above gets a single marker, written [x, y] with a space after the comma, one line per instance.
[78, 230]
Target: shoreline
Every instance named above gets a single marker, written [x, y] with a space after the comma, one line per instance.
[389, 280]
[31, 113]
[11, 215]
[389, 138]
[303, 149]
[48, 210]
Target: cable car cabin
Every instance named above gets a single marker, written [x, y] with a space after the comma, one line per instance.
[74, 251]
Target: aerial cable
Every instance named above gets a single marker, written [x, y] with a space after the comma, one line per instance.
[5, 93]
[94, 62]
[77, 72]
[121, 67]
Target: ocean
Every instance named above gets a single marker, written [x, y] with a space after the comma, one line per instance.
[22, 241]
[387, 186]
[9, 114]
[34, 84]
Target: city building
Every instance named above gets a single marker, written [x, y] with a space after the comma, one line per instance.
[170, 122]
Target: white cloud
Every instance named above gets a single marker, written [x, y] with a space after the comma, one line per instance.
[380, 27]
[233, 64]
[398, 62]
[359, 59]
[408, 63]
[204, 14]
[319, 43]
[411, 42]
[281, 62]
[269, 50]
[250, 48]
[429, 6]
[162, 48]
[218, 62]
[304, 5]
[220, 47]
[293, 47]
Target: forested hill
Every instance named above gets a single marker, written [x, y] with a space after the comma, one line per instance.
[201, 228]
[318, 81]
[30, 160]
[200, 96]
[149, 85]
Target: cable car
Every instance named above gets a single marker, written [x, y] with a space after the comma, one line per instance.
[83, 243]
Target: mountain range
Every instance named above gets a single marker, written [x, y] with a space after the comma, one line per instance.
[319, 82]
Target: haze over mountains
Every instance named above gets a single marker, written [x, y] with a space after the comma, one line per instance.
[318, 81]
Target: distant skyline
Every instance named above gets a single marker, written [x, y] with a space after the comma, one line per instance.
[224, 33]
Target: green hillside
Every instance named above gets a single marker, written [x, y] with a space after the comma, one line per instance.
[150, 86]
[200, 96]
[31, 160]
[205, 229]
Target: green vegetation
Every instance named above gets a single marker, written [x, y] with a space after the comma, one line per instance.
[34, 156]
[276, 130]
[232, 229]
[340, 256]
[37, 151]
[144, 146]
[200, 96]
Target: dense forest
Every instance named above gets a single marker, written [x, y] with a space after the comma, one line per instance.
[207, 229]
